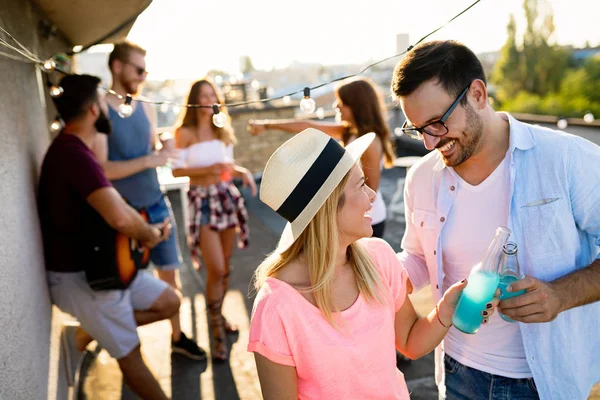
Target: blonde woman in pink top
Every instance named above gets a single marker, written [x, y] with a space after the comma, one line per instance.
[332, 302]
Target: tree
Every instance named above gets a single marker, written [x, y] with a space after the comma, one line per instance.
[507, 74]
[545, 63]
[536, 68]
[247, 66]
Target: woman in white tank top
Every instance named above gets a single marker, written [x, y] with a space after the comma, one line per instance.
[359, 111]
[217, 210]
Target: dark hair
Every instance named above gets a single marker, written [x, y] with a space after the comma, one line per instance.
[189, 117]
[122, 50]
[80, 91]
[450, 63]
[367, 109]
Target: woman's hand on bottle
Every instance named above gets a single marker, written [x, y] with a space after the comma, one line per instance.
[452, 295]
[490, 307]
[256, 127]
[447, 304]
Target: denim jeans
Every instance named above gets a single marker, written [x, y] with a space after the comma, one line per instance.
[166, 255]
[465, 383]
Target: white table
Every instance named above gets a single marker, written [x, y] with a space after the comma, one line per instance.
[169, 182]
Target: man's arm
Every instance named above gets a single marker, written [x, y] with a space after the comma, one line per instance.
[122, 169]
[123, 218]
[412, 257]
[544, 301]
[119, 169]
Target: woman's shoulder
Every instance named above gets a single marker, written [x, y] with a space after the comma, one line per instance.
[183, 136]
[376, 247]
[272, 295]
[382, 254]
[276, 302]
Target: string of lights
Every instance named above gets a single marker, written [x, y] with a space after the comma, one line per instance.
[307, 104]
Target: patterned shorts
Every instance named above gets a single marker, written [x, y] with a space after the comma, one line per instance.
[220, 206]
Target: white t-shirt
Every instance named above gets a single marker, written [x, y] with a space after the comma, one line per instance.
[497, 348]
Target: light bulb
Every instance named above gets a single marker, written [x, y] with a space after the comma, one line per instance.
[398, 131]
[56, 126]
[164, 108]
[307, 105]
[287, 100]
[218, 117]
[49, 65]
[176, 110]
[219, 120]
[320, 113]
[125, 109]
[588, 118]
[77, 49]
[56, 91]
[562, 123]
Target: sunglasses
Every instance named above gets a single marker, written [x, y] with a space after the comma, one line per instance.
[140, 71]
[435, 128]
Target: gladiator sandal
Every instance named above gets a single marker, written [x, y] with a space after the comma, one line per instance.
[229, 327]
[219, 350]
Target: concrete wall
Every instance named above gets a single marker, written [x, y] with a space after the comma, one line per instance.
[29, 363]
[253, 152]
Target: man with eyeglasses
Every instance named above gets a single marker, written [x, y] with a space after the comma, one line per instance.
[487, 170]
[130, 159]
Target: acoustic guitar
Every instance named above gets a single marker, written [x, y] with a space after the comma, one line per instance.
[131, 255]
[113, 259]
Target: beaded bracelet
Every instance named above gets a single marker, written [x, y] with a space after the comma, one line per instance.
[437, 314]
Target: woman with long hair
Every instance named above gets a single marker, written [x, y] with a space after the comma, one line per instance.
[332, 301]
[360, 110]
[217, 210]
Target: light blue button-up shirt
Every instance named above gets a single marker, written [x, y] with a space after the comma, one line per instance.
[554, 217]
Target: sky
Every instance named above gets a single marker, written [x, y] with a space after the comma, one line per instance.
[186, 38]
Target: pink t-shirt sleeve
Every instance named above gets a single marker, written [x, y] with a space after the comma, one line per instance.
[267, 331]
[391, 269]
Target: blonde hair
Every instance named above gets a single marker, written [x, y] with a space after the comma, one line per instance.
[319, 246]
[189, 119]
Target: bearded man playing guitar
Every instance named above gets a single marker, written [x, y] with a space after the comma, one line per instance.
[73, 191]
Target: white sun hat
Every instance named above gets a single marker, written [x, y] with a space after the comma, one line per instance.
[302, 173]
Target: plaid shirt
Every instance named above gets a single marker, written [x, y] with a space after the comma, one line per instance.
[226, 210]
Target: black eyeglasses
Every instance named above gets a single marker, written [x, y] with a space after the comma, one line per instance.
[435, 128]
[139, 70]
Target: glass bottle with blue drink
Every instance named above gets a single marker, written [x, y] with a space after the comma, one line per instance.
[509, 272]
[482, 285]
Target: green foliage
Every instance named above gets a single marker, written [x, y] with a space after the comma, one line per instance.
[247, 65]
[536, 78]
